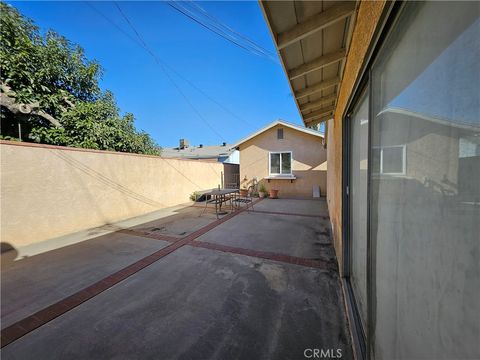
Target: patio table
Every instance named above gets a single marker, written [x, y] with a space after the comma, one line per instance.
[219, 197]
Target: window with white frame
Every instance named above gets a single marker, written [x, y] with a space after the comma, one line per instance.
[389, 160]
[280, 163]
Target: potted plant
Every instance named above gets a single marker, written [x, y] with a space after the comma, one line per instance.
[244, 191]
[274, 193]
[195, 196]
[262, 191]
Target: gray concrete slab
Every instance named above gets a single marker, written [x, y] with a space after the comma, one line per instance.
[285, 234]
[32, 283]
[200, 304]
[182, 223]
[304, 207]
[87, 234]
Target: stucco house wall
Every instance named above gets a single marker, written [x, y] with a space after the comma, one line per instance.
[367, 19]
[308, 161]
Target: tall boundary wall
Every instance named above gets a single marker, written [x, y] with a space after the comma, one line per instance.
[51, 191]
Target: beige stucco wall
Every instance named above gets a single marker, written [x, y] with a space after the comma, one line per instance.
[367, 19]
[48, 192]
[309, 161]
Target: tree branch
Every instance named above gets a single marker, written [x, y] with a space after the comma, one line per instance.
[7, 99]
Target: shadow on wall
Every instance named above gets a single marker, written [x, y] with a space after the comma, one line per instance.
[8, 254]
[106, 180]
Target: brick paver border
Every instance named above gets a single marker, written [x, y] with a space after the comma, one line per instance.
[280, 212]
[40, 318]
[291, 214]
[315, 263]
[150, 235]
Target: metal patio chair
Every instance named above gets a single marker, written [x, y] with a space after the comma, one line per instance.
[247, 200]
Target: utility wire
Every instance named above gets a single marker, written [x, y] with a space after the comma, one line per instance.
[144, 44]
[207, 96]
[205, 26]
[228, 28]
[119, 28]
[256, 49]
[187, 100]
[219, 28]
[141, 44]
[173, 82]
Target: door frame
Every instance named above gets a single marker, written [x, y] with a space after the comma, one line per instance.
[359, 330]
[363, 339]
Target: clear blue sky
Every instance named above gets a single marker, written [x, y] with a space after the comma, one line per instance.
[252, 87]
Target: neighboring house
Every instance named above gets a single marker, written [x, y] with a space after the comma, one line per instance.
[223, 153]
[286, 157]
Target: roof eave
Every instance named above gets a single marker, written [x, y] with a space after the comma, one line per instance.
[275, 123]
[285, 71]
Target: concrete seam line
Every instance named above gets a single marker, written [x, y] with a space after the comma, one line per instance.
[45, 315]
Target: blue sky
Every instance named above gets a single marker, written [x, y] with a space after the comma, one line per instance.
[254, 88]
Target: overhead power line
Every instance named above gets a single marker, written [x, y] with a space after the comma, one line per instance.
[209, 22]
[222, 24]
[140, 42]
[173, 70]
[147, 48]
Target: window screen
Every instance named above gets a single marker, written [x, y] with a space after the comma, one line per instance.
[274, 163]
[286, 163]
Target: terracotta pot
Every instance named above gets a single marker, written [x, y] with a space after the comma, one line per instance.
[274, 194]
[243, 192]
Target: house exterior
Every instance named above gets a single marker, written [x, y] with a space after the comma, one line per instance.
[285, 157]
[397, 85]
[224, 153]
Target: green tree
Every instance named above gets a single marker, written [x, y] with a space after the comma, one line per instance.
[51, 89]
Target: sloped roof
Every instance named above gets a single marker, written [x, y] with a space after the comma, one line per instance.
[282, 123]
[197, 152]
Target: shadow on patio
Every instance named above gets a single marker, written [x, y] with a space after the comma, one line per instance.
[251, 285]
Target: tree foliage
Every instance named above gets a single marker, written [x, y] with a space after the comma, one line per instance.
[55, 75]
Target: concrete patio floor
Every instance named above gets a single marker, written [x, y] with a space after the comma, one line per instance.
[252, 285]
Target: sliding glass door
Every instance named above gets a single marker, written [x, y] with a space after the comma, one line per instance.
[425, 184]
[412, 187]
